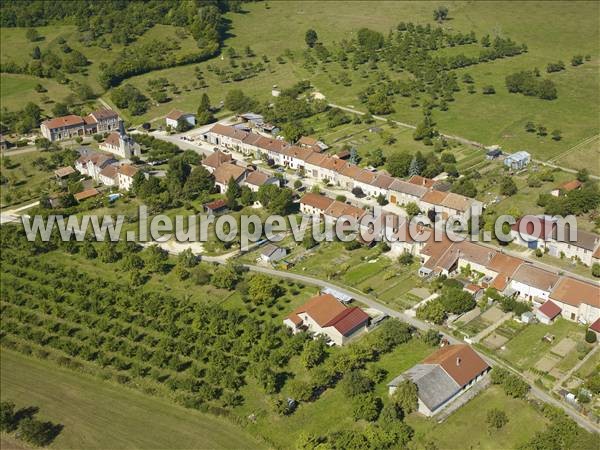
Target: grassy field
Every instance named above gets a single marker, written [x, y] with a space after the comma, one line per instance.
[498, 118]
[467, 427]
[333, 410]
[100, 415]
[489, 119]
[25, 180]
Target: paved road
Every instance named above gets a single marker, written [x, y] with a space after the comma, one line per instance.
[491, 360]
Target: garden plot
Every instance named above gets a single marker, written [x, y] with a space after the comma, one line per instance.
[493, 315]
[564, 347]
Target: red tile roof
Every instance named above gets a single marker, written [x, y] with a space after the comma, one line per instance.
[227, 171]
[316, 201]
[349, 320]
[215, 159]
[216, 204]
[86, 194]
[571, 185]
[461, 362]
[112, 139]
[550, 309]
[596, 326]
[257, 178]
[421, 181]
[64, 171]
[574, 292]
[104, 113]
[228, 131]
[128, 170]
[65, 121]
[175, 114]
[327, 311]
[321, 308]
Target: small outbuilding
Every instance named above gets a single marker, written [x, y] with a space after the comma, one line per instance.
[176, 117]
[216, 207]
[548, 312]
[272, 253]
[518, 160]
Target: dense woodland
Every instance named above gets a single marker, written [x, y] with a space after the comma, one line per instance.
[103, 23]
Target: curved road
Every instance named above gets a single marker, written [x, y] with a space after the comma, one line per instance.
[491, 360]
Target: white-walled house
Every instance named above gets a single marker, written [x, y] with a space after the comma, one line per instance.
[579, 300]
[325, 315]
[443, 376]
[176, 117]
[533, 283]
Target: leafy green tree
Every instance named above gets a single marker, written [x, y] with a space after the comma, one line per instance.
[311, 37]
[355, 383]
[8, 419]
[309, 241]
[596, 270]
[36, 432]
[225, 277]
[431, 337]
[590, 337]
[109, 253]
[432, 311]
[200, 181]
[398, 164]
[263, 289]
[457, 301]
[508, 187]
[556, 135]
[314, 353]
[440, 13]
[406, 397]
[232, 194]
[300, 390]
[366, 407]
[205, 114]
[156, 258]
[238, 102]
[292, 131]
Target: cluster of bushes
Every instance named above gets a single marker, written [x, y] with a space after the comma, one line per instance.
[527, 83]
[513, 385]
[22, 423]
[452, 300]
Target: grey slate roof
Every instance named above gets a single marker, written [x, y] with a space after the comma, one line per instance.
[434, 385]
[404, 187]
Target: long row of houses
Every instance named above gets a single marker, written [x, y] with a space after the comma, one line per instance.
[308, 160]
[542, 232]
[578, 300]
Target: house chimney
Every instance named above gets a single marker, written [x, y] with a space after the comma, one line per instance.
[457, 361]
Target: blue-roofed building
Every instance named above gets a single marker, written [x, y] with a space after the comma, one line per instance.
[517, 160]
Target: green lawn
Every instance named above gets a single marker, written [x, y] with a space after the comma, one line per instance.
[467, 427]
[25, 181]
[492, 119]
[332, 410]
[99, 415]
[527, 347]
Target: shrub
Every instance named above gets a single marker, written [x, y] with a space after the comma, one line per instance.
[590, 337]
